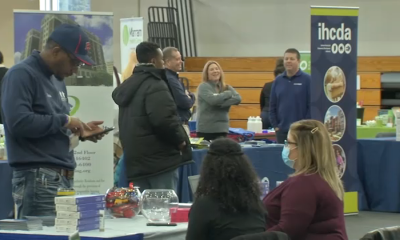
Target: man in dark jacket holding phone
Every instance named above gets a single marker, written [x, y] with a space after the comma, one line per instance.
[154, 141]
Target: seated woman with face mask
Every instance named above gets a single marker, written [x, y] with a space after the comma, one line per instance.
[308, 205]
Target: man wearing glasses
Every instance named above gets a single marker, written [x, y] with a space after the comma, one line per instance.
[37, 124]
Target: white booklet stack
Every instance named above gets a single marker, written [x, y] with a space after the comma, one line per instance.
[79, 213]
[21, 224]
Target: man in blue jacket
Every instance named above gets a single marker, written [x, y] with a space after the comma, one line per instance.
[37, 124]
[290, 96]
[184, 100]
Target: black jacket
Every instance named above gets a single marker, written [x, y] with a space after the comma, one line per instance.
[3, 71]
[149, 127]
[183, 103]
[264, 97]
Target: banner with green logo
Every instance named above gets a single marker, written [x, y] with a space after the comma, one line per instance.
[305, 61]
[131, 36]
[86, 95]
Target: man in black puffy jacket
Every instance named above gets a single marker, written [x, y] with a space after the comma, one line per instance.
[153, 139]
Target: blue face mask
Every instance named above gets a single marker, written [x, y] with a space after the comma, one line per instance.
[285, 156]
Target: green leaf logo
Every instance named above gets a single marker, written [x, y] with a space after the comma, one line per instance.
[125, 35]
[75, 106]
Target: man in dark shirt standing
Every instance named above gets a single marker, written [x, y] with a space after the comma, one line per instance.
[37, 124]
[183, 98]
[3, 71]
[290, 96]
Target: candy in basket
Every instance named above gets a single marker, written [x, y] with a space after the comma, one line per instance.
[123, 202]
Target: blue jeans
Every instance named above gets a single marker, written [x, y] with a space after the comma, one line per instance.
[167, 180]
[34, 190]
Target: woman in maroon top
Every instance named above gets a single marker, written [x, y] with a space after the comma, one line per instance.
[308, 205]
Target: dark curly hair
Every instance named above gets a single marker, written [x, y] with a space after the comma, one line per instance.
[228, 176]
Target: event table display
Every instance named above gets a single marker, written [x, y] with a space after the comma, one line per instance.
[378, 170]
[364, 132]
[115, 229]
[267, 162]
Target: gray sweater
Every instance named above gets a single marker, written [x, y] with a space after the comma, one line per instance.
[213, 107]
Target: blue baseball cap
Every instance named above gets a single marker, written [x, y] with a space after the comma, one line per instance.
[74, 40]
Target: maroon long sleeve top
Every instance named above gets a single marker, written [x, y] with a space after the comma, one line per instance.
[306, 208]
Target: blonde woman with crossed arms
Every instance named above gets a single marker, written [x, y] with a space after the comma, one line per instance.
[214, 101]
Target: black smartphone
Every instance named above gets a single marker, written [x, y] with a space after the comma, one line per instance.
[106, 130]
[161, 224]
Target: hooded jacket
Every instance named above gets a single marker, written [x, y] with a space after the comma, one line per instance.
[149, 127]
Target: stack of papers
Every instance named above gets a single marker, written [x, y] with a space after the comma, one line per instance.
[21, 224]
[199, 143]
[47, 221]
[79, 213]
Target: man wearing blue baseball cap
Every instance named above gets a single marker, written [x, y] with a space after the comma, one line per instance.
[37, 124]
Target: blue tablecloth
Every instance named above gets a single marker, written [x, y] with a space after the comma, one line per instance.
[379, 173]
[267, 161]
[6, 201]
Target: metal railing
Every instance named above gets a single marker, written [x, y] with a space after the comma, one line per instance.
[186, 26]
[173, 26]
[163, 26]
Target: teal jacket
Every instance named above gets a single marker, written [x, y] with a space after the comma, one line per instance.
[118, 170]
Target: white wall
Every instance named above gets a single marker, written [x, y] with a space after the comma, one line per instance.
[268, 27]
[241, 28]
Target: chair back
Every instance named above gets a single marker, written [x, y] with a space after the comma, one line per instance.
[263, 236]
[388, 233]
[194, 182]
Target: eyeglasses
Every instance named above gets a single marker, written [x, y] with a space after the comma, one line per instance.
[287, 143]
[75, 61]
